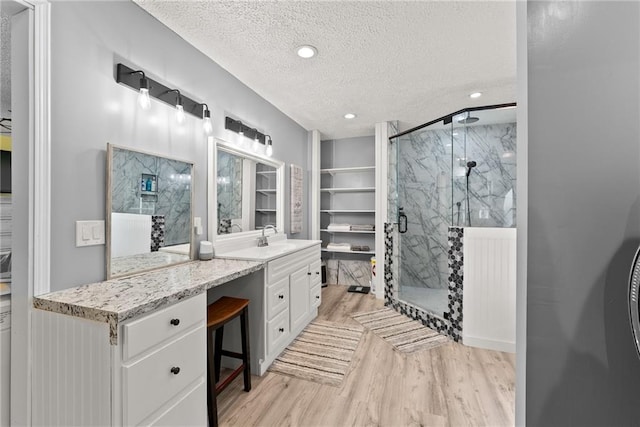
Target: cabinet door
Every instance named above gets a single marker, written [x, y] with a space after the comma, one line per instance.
[299, 297]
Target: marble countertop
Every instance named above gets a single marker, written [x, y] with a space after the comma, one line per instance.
[116, 300]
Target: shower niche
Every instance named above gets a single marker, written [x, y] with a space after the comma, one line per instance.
[449, 174]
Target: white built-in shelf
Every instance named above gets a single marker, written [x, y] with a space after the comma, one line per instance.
[346, 211]
[266, 191]
[349, 231]
[265, 210]
[349, 190]
[348, 252]
[334, 171]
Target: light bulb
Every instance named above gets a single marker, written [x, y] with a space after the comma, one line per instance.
[269, 149]
[143, 99]
[256, 144]
[206, 124]
[179, 113]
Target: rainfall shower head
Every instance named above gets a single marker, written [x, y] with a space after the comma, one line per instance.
[468, 120]
[470, 165]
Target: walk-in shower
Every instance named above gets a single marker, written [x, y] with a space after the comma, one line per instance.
[456, 171]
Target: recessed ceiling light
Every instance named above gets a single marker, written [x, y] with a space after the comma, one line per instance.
[349, 116]
[306, 51]
[475, 95]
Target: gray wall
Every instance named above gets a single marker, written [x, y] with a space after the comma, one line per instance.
[583, 212]
[90, 109]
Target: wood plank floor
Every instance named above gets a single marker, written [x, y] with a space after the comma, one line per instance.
[451, 385]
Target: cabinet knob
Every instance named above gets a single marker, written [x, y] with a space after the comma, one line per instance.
[281, 329]
[309, 273]
[175, 370]
[175, 322]
[317, 296]
[317, 272]
[281, 296]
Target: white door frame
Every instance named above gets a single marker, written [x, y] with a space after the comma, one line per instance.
[39, 207]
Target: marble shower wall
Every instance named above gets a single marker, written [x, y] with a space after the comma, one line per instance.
[492, 183]
[173, 197]
[424, 191]
[229, 186]
[427, 178]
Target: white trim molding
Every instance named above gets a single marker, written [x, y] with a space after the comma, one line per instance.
[315, 185]
[382, 167]
[41, 171]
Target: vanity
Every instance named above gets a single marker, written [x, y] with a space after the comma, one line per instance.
[292, 290]
[132, 350]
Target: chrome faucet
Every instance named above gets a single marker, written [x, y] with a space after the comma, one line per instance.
[262, 241]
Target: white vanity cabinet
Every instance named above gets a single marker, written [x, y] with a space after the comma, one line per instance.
[293, 284]
[154, 375]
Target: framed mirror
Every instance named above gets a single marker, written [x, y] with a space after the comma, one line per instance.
[245, 191]
[149, 211]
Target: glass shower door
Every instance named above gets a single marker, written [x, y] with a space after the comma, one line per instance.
[424, 177]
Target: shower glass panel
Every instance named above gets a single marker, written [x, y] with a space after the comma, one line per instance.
[424, 193]
[457, 171]
[487, 189]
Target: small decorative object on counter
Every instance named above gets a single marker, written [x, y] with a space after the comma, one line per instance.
[206, 250]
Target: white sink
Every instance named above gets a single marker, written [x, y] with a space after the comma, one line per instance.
[266, 253]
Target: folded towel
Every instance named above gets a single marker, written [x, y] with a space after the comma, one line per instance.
[346, 247]
[363, 227]
[360, 248]
[339, 227]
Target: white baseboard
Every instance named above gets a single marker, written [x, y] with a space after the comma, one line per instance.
[506, 346]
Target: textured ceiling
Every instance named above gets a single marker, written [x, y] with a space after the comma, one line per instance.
[390, 60]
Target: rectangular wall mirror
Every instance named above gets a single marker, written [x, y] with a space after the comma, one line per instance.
[248, 191]
[149, 211]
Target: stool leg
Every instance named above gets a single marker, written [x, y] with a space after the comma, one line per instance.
[211, 383]
[246, 359]
[218, 351]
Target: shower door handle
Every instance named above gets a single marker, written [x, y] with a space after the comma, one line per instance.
[402, 221]
[634, 288]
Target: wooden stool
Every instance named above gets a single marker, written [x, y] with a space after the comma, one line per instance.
[218, 314]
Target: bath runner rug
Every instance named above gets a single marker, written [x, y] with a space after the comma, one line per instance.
[321, 353]
[401, 332]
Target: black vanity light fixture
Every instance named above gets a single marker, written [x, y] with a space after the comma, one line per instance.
[258, 137]
[147, 88]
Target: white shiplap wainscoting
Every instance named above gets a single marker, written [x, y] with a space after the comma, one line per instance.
[71, 371]
[489, 298]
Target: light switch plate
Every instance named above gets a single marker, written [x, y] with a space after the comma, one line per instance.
[89, 233]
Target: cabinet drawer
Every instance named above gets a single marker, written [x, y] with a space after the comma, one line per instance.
[144, 333]
[282, 267]
[316, 273]
[316, 296]
[150, 382]
[277, 331]
[277, 297]
[191, 410]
